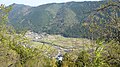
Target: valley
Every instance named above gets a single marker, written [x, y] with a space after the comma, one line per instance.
[56, 44]
[68, 34]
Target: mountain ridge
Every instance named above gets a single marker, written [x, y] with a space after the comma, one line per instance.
[52, 18]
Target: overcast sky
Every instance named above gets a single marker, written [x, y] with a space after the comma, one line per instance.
[37, 2]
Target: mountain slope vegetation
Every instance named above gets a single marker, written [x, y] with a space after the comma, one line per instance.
[39, 50]
[54, 18]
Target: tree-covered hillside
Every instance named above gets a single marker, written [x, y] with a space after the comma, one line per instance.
[31, 49]
[54, 18]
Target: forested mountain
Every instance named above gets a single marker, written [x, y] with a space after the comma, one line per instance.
[54, 18]
[99, 29]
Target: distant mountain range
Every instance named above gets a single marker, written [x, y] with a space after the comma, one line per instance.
[54, 18]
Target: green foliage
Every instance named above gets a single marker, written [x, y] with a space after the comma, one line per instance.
[15, 50]
[104, 27]
[98, 60]
[83, 59]
[64, 18]
[104, 22]
[4, 13]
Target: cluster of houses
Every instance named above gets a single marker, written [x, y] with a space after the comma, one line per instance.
[35, 36]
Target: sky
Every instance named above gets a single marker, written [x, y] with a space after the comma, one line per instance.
[37, 2]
